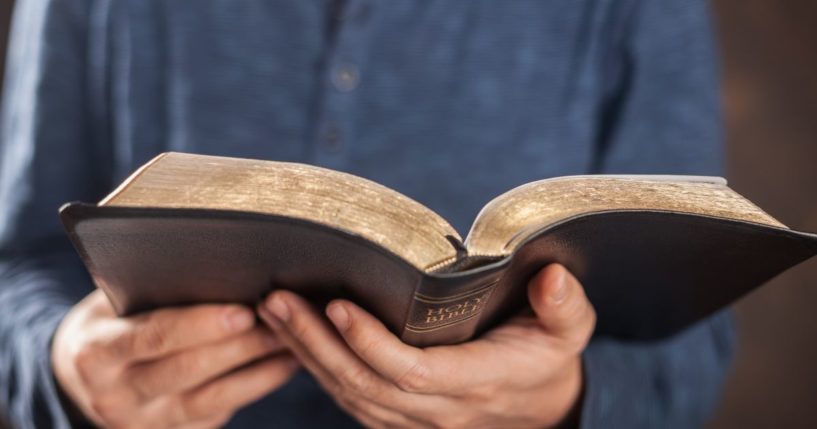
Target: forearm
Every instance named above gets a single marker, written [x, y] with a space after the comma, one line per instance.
[35, 294]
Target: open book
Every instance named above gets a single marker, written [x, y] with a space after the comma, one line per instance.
[655, 253]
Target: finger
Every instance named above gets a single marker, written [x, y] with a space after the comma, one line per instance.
[350, 381]
[303, 355]
[314, 341]
[165, 331]
[561, 305]
[443, 370]
[374, 415]
[405, 366]
[293, 317]
[369, 412]
[194, 366]
[233, 391]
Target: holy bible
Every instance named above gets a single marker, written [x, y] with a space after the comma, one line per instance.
[654, 253]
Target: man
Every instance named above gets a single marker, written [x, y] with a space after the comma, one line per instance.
[450, 102]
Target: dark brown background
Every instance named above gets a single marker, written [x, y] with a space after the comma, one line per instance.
[770, 56]
[770, 89]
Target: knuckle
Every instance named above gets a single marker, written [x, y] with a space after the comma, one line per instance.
[186, 364]
[148, 383]
[416, 380]
[150, 336]
[299, 328]
[368, 346]
[355, 379]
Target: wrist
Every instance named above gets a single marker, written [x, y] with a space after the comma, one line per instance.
[574, 391]
[76, 418]
[562, 399]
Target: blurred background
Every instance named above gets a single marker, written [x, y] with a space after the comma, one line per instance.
[769, 51]
[769, 56]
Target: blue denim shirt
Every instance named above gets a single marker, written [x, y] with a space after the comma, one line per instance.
[450, 102]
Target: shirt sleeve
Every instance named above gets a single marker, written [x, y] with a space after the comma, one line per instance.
[661, 115]
[47, 157]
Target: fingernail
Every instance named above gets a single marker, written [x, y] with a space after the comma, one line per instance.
[238, 319]
[339, 316]
[560, 290]
[278, 308]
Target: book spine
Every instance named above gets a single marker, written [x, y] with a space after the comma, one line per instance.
[447, 309]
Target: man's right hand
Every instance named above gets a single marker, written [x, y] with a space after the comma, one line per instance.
[187, 367]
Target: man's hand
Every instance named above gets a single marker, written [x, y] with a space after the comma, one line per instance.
[187, 368]
[525, 373]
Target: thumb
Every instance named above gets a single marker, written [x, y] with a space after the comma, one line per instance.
[560, 304]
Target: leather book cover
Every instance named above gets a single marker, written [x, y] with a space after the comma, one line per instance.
[648, 273]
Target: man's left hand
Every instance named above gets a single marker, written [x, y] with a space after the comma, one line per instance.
[524, 373]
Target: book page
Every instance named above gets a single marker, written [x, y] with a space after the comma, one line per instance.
[510, 218]
[339, 200]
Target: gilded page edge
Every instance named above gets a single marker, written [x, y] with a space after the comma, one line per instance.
[132, 178]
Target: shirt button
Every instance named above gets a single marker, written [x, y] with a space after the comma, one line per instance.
[345, 77]
[331, 138]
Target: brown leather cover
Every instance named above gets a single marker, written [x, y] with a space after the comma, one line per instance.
[648, 273]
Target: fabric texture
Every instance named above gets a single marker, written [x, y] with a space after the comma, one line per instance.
[451, 102]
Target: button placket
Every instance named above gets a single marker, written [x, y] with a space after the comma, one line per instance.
[342, 79]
